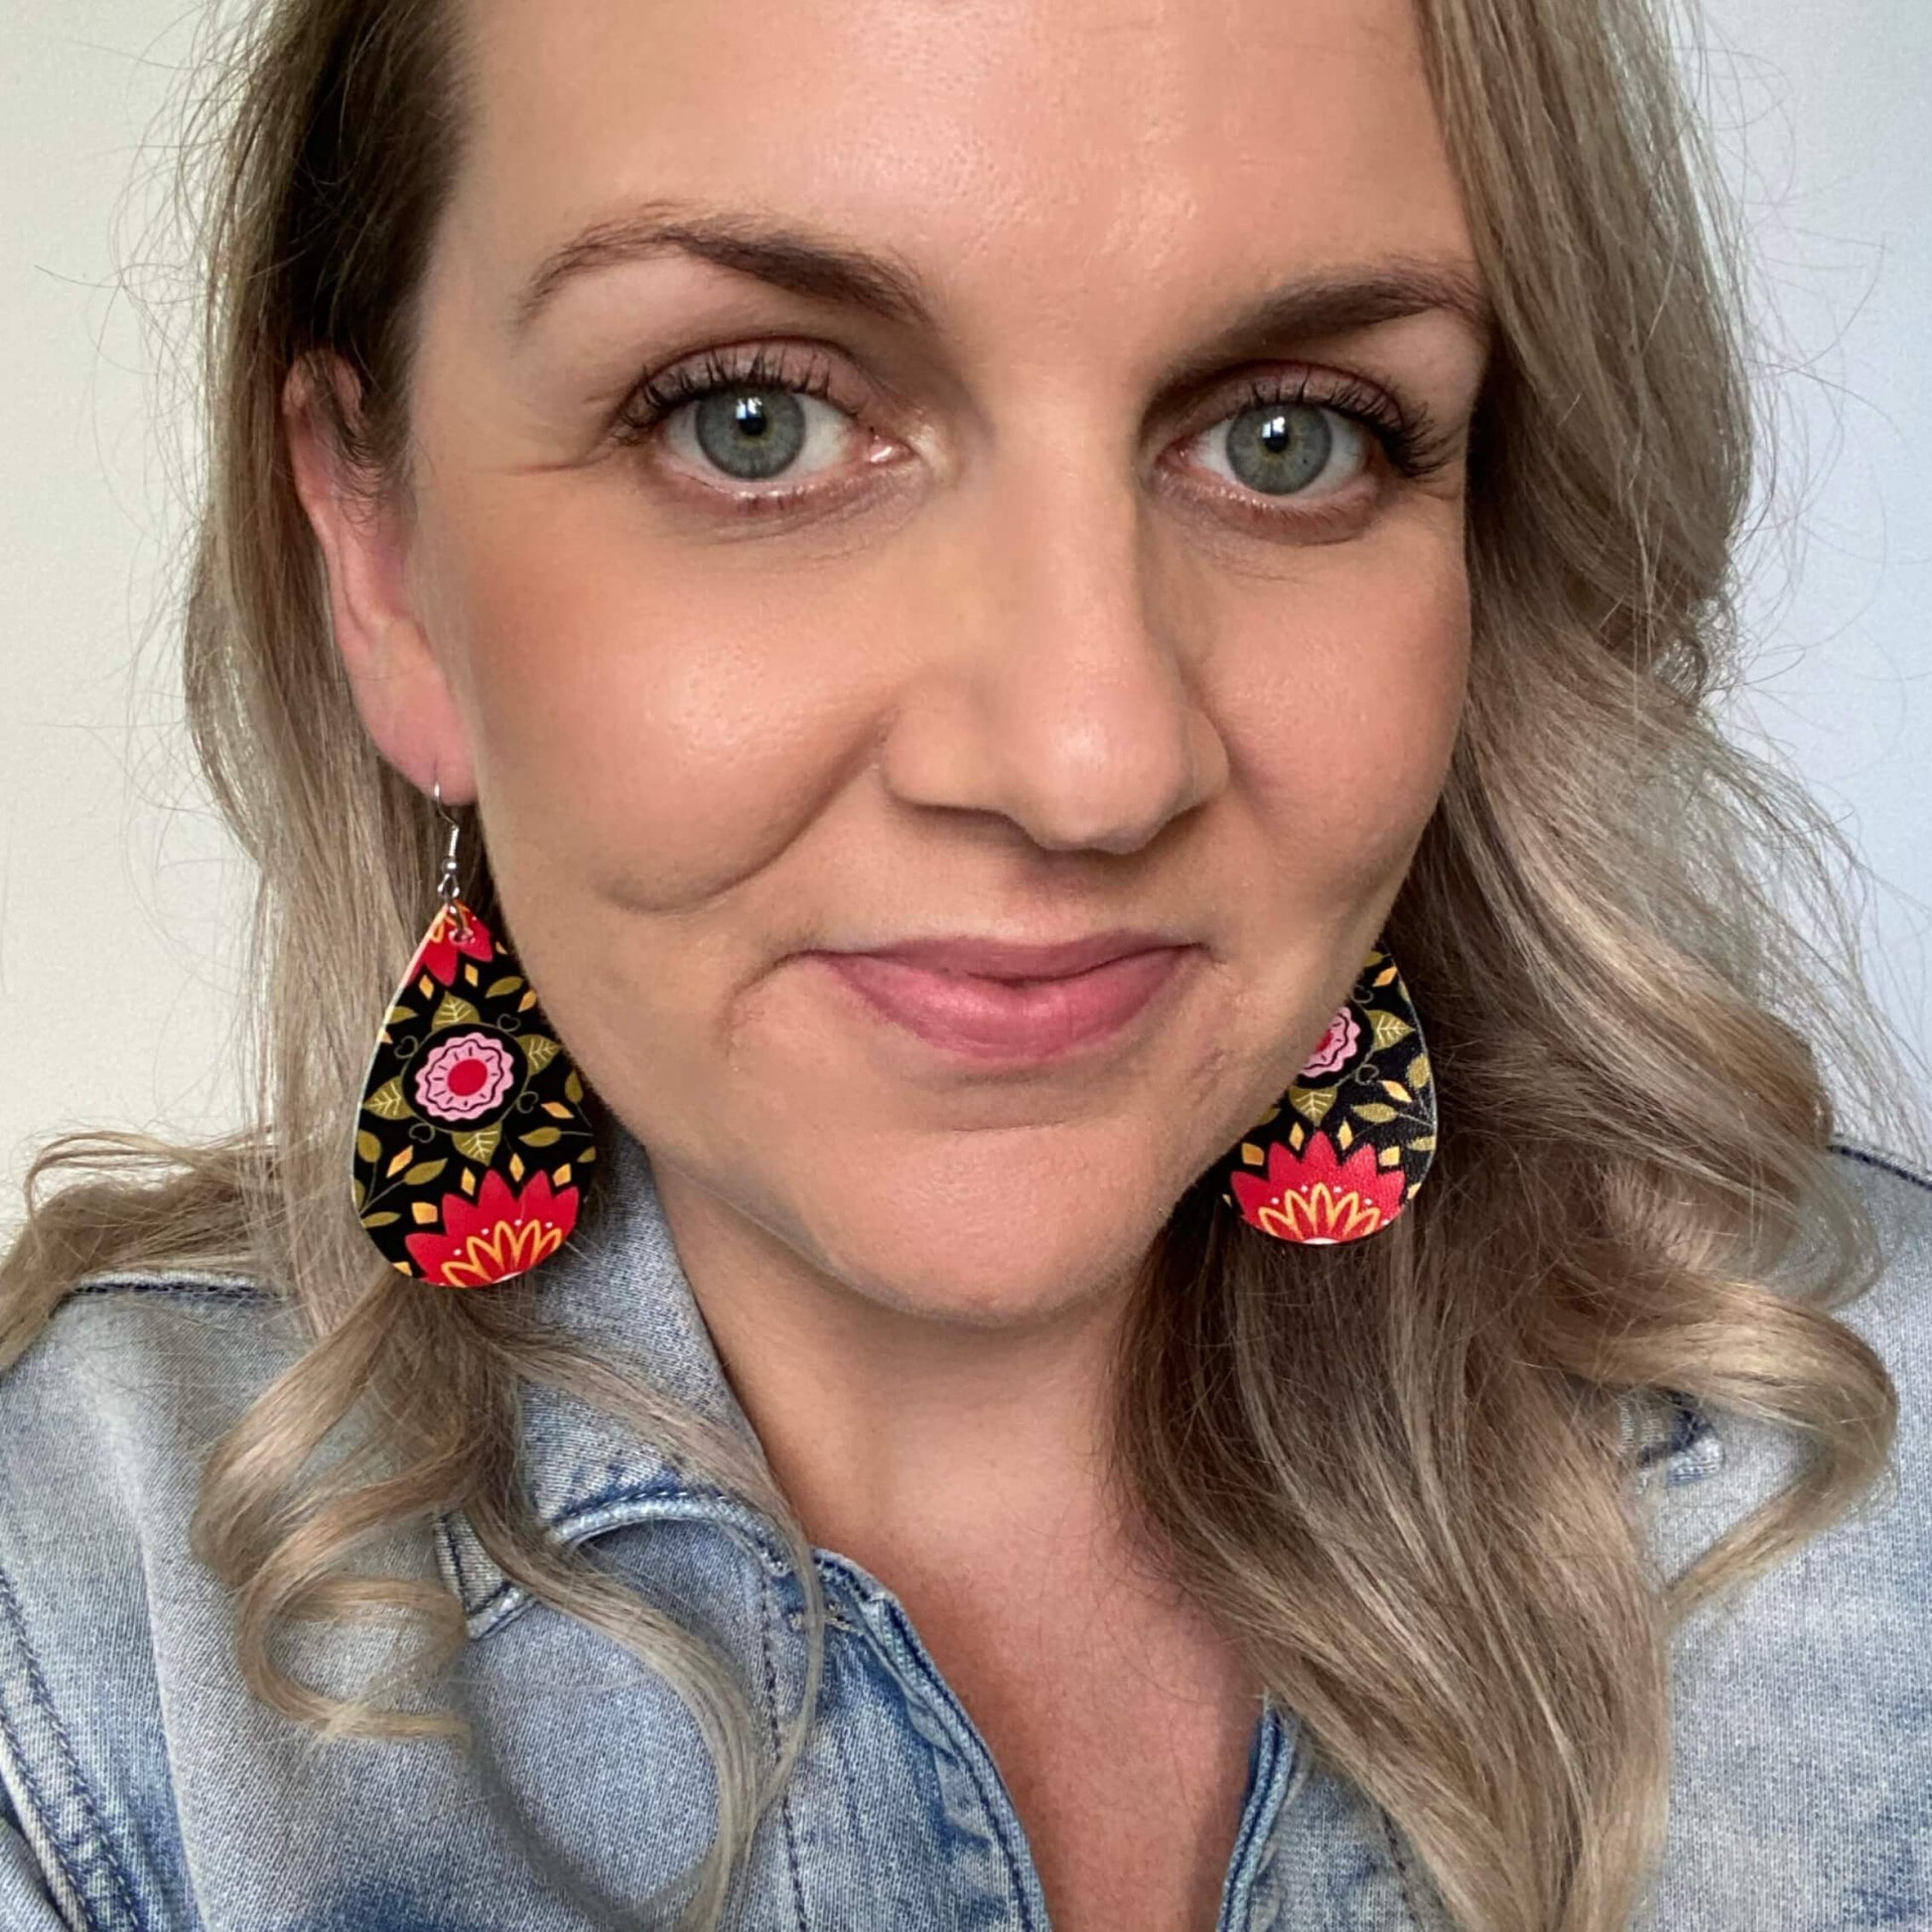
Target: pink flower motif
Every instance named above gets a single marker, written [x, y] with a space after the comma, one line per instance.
[464, 1077]
[1337, 1047]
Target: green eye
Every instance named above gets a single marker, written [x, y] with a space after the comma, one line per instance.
[1280, 447]
[751, 433]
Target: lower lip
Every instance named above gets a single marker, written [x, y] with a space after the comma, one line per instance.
[1010, 1021]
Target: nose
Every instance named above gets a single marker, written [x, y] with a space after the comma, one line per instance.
[1053, 691]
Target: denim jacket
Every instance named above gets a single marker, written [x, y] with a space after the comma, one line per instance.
[142, 1789]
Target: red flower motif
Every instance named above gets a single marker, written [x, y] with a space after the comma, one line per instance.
[446, 938]
[495, 1236]
[1316, 1198]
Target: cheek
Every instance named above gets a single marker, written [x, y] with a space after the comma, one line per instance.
[670, 721]
[1341, 704]
[662, 722]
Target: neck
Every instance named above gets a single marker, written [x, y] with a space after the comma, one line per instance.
[908, 1441]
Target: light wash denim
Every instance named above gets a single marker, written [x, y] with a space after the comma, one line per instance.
[146, 1791]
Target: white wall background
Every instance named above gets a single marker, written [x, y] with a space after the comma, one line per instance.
[119, 900]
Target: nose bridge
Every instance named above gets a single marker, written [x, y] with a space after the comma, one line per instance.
[1056, 691]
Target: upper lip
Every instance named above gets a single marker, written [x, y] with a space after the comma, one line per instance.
[1004, 959]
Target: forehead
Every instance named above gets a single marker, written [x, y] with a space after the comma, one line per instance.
[1066, 149]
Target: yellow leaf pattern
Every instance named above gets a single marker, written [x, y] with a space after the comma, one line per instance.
[1388, 1027]
[480, 1145]
[388, 1102]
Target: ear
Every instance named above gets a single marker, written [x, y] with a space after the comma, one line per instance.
[399, 685]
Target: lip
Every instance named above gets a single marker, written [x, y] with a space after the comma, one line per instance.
[1003, 959]
[993, 1001]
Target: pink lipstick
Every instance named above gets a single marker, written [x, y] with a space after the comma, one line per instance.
[992, 1001]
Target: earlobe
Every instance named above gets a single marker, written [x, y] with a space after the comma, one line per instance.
[400, 689]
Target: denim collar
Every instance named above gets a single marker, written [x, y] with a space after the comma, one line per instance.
[618, 1281]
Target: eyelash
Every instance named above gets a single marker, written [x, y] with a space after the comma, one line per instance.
[1406, 433]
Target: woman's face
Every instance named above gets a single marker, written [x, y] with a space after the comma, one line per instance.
[1080, 554]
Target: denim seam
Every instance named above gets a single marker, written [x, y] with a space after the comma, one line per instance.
[80, 1866]
[667, 1498]
[659, 1501]
[216, 1287]
[765, 1595]
[1259, 1831]
[1885, 1164]
[447, 1537]
[1268, 1853]
[43, 1812]
[1404, 1876]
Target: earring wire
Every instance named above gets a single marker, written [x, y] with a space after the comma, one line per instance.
[449, 887]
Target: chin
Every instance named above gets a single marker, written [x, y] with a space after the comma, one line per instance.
[992, 1238]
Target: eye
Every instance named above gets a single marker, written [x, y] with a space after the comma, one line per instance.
[1307, 435]
[753, 434]
[1288, 449]
[747, 421]
[746, 416]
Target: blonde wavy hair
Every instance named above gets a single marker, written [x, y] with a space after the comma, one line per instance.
[1395, 1470]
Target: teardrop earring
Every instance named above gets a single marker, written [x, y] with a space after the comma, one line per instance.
[471, 1146]
[1361, 1132]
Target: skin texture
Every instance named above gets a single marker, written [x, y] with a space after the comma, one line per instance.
[1025, 660]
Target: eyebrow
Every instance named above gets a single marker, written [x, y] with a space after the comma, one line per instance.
[825, 267]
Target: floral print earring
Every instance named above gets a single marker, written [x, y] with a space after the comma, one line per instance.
[1362, 1126]
[471, 1146]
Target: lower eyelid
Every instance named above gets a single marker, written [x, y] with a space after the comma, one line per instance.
[827, 492]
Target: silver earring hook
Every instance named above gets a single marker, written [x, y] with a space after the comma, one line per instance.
[448, 889]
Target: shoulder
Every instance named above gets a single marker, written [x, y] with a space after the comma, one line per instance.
[1712, 1467]
[108, 1414]
[1895, 1314]
[106, 1419]
[132, 1370]
[1899, 1195]
[1802, 1700]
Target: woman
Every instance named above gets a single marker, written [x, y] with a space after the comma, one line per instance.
[1171, 1203]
